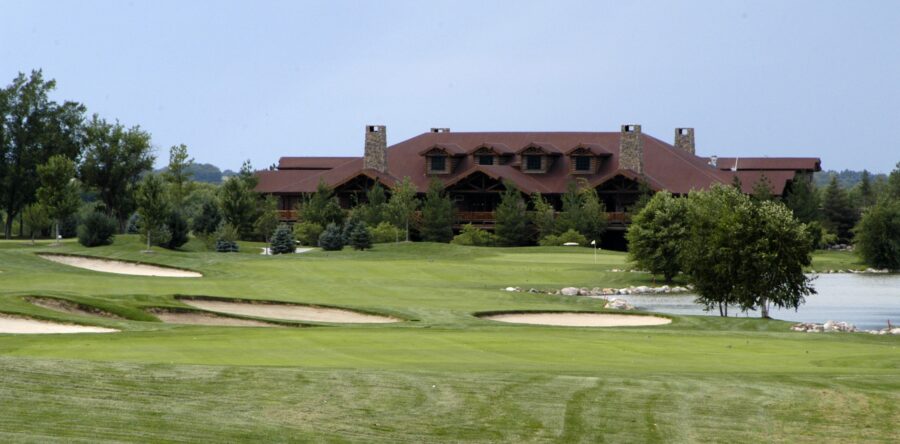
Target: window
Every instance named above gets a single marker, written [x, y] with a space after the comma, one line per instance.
[438, 164]
[533, 162]
[582, 163]
[485, 159]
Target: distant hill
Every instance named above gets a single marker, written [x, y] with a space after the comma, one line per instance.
[205, 172]
[846, 178]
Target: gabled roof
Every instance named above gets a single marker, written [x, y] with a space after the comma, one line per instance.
[665, 167]
[499, 148]
[546, 147]
[311, 163]
[593, 148]
[769, 163]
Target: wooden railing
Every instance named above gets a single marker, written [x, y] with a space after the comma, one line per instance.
[476, 217]
[287, 215]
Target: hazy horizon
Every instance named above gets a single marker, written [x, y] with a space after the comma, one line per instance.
[262, 80]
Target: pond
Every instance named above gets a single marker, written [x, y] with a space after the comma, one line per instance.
[867, 301]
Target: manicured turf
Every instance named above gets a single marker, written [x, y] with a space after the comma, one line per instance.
[444, 375]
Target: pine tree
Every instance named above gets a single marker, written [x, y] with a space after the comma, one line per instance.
[437, 214]
[866, 194]
[840, 215]
[282, 240]
[762, 189]
[571, 214]
[803, 200]
[511, 218]
[322, 207]
[544, 217]
[361, 237]
[372, 212]
[331, 239]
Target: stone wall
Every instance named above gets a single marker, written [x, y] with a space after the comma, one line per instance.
[631, 149]
[375, 156]
[684, 139]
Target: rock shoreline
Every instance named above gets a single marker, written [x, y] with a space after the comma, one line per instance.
[841, 327]
[607, 291]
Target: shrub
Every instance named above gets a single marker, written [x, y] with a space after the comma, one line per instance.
[348, 229]
[282, 240]
[96, 229]
[386, 232]
[134, 224]
[226, 239]
[360, 237]
[307, 233]
[68, 228]
[331, 239]
[470, 235]
[567, 237]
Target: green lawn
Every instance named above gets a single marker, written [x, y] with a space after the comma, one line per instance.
[443, 375]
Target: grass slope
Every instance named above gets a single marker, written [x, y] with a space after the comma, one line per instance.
[445, 375]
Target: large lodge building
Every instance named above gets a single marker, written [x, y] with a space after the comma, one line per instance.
[473, 166]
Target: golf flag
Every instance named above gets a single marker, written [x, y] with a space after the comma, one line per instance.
[593, 242]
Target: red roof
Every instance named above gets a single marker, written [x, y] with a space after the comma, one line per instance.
[665, 167]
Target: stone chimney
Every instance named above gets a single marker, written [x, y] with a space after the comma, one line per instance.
[684, 139]
[631, 149]
[440, 130]
[375, 156]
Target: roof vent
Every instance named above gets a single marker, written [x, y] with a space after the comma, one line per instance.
[440, 130]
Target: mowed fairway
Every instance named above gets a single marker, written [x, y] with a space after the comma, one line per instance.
[441, 375]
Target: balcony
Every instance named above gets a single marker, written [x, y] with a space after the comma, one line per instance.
[287, 215]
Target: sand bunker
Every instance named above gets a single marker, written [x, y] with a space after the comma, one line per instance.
[119, 267]
[200, 318]
[20, 325]
[70, 307]
[289, 312]
[578, 319]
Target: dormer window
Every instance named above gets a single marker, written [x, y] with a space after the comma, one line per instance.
[437, 164]
[534, 162]
[582, 164]
[485, 159]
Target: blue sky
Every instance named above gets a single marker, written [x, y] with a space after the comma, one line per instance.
[258, 80]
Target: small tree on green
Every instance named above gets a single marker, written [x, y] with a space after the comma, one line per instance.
[437, 214]
[36, 219]
[332, 239]
[268, 220]
[361, 237]
[543, 217]
[226, 239]
[322, 207]
[402, 205]
[511, 218]
[878, 235]
[58, 192]
[178, 174]
[839, 213]
[152, 207]
[282, 240]
[656, 235]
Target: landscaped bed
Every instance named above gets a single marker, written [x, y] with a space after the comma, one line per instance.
[119, 267]
[290, 312]
[575, 319]
[23, 325]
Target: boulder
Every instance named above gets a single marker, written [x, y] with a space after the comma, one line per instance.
[569, 291]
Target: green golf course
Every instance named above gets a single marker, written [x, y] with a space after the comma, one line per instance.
[439, 374]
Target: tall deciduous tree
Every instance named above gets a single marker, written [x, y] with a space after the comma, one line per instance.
[58, 192]
[511, 217]
[36, 219]
[115, 158]
[267, 221]
[178, 174]
[878, 234]
[657, 234]
[33, 128]
[839, 213]
[402, 205]
[437, 214]
[153, 207]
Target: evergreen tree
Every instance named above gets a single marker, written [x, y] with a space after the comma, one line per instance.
[571, 215]
[322, 207]
[839, 213]
[402, 205]
[209, 219]
[893, 185]
[437, 214]
[511, 217]
[152, 207]
[239, 205]
[657, 233]
[331, 239]
[58, 192]
[96, 228]
[544, 216]
[282, 240]
[866, 193]
[178, 174]
[372, 212]
[762, 189]
[352, 222]
[803, 200]
[582, 211]
[178, 229]
[226, 239]
[878, 235]
[361, 237]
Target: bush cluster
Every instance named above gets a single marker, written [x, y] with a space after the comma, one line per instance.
[96, 229]
[470, 235]
[568, 236]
